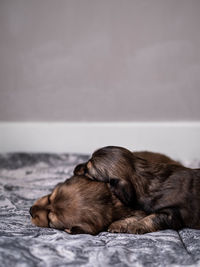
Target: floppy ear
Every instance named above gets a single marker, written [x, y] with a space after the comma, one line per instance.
[123, 190]
[80, 169]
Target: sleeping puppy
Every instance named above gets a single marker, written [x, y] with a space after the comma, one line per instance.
[80, 205]
[161, 187]
[116, 165]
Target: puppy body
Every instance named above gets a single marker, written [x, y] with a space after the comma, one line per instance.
[163, 188]
[80, 205]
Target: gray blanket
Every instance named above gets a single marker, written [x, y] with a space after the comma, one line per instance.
[26, 177]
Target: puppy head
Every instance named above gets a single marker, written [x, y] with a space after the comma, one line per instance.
[78, 205]
[107, 162]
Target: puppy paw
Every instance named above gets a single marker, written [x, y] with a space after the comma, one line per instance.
[136, 229]
[67, 230]
[125, 227]
[118, 227]
[74, 230]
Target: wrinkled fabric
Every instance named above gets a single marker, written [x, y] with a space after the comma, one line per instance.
[26, 177]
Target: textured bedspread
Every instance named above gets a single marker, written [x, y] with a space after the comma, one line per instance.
[26, 177]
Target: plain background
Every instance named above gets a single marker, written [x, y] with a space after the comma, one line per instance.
[99, 60]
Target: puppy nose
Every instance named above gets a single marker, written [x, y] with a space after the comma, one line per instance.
[31, 211]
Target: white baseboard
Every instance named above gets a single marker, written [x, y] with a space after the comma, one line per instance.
[180, 140]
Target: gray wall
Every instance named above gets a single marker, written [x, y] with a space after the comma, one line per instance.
[99, 60]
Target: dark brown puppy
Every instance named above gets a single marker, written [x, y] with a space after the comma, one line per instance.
[80, 205]
[151, 182]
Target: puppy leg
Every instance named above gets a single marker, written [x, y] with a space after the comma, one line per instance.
[167, 219]
[75, 230]
[81, 229]
[121, 226]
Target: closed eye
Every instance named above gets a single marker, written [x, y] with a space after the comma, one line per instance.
[87, 174]
[49, 222]
[49, 200]
[85, 170]
[88, 167]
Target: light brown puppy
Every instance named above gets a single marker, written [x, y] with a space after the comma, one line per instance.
[80, 205]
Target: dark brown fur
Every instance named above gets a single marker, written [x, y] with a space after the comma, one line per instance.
[80, 205]
[167, 191]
